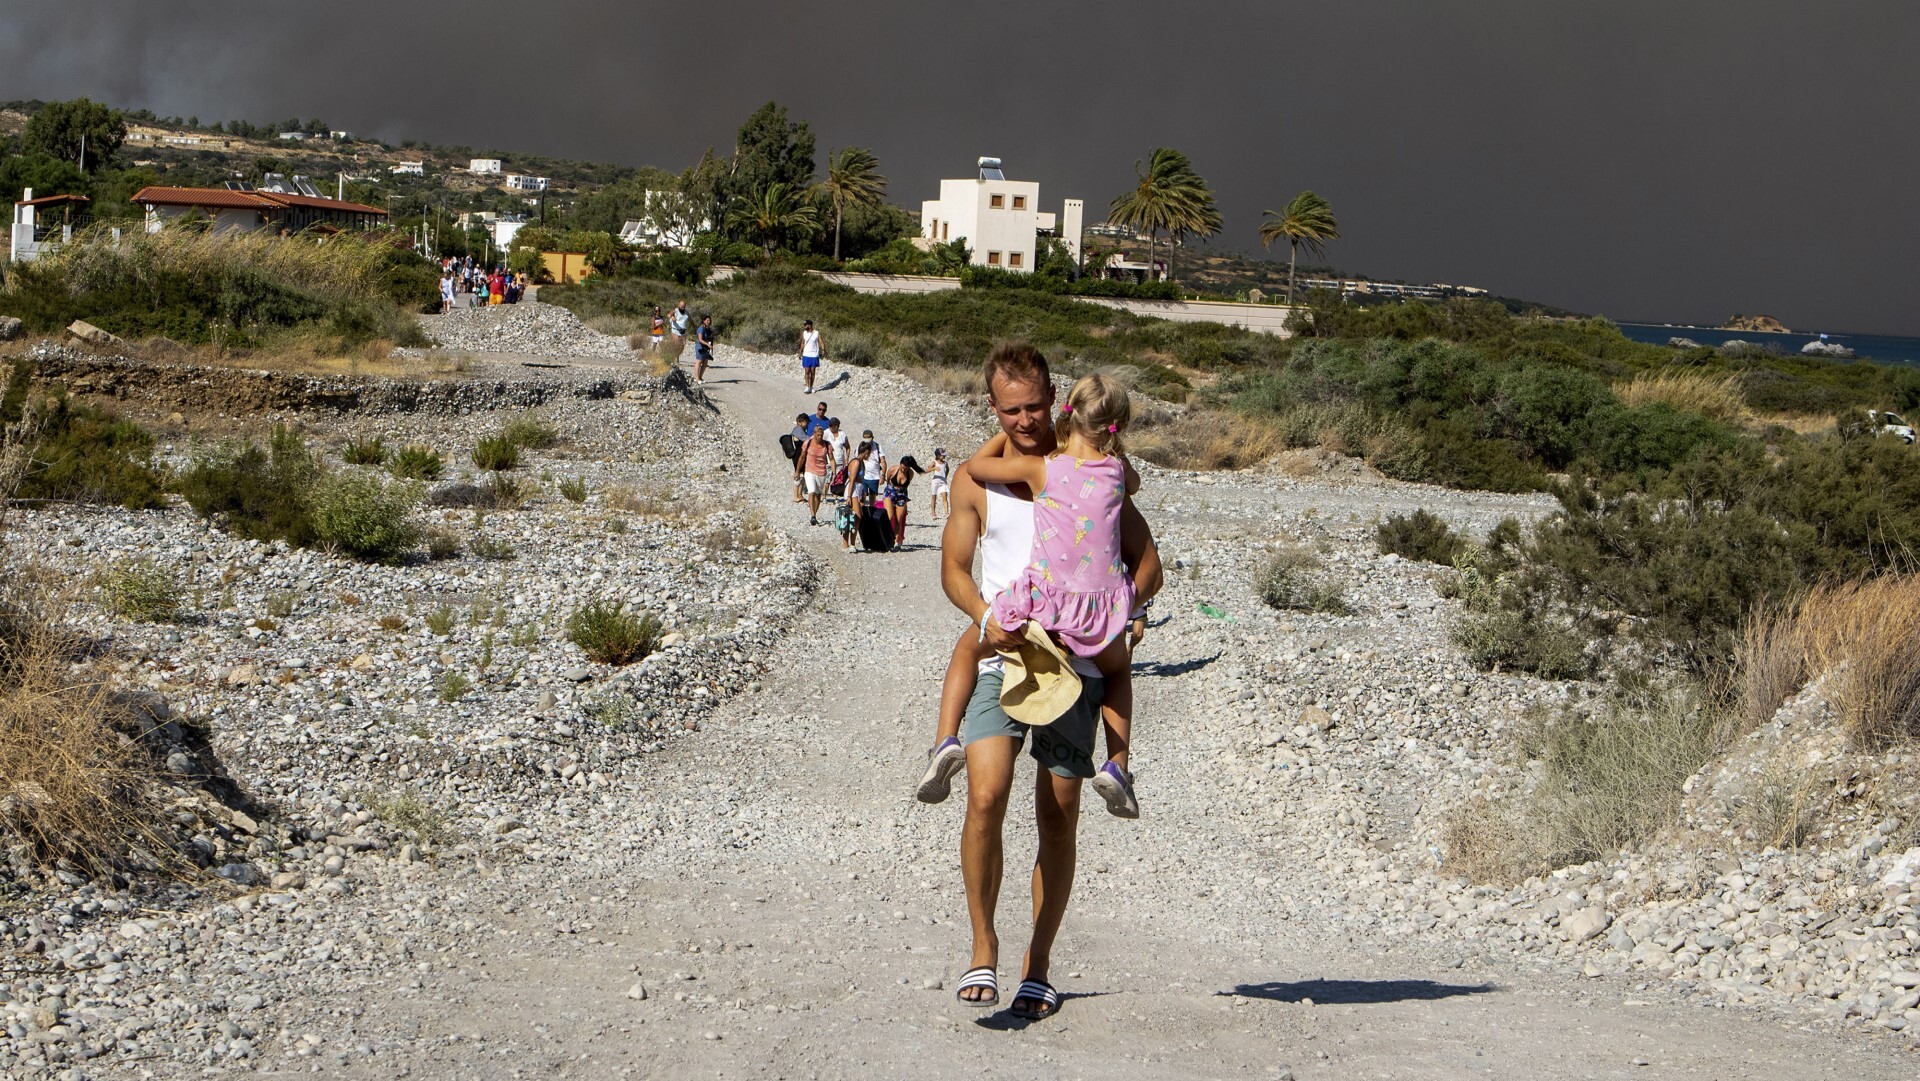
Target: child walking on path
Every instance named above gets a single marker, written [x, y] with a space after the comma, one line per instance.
[1075, 586]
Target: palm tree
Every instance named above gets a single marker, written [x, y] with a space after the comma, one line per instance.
[853, 176]
[1167, 194]
[1198, 218]
[777, 210]
[1307, 220]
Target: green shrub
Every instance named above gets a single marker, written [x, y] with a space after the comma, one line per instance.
[496, 452]
[610, 634]
[530, 433]
[80, 453]
[255, 493]
[1289, 580]
[440, 621]
[452, 685]
[236, 289]
[442, 543]
[415, 462]
[574, 489]
[365, 452]
[1422, 536]
[142, 590]
[498, 549]
[1505, 626]
[364, 516]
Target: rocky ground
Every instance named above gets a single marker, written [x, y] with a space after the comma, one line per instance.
[711, 864]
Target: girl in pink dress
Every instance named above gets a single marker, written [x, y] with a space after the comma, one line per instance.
[1076, 584]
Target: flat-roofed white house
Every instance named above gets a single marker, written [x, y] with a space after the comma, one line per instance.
[1000, 219]
[522, 182]
[485, 165]
[408, 168]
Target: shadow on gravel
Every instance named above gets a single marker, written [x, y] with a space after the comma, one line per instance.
[1173, 668]
[1357, 992]
[1004, 1019]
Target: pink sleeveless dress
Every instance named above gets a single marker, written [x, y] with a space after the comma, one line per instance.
[1075, 585]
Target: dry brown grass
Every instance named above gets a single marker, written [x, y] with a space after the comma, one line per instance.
[73, 786]
[653, 501]
[964, 382]
[304, 355]
[1717, 397]
[1868, 633]
[1769, 667]
[1207, 440]
[1601, 784]
[1798, 423]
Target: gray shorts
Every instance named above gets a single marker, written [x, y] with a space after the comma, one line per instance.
[1064, 747]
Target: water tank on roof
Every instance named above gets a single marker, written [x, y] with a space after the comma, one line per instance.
[990, 169]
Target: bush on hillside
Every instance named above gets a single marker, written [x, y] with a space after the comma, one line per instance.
[73, 451]
[365, 517]
[607, 632]
[416, 462]
[1422, 536]
[141, 590]
[496, 452]
[1604, 783]
[1290, 580]
[254, 492]
[237, 289]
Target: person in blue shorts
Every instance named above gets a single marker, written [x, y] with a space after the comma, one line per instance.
[702, 348]
[809, 354]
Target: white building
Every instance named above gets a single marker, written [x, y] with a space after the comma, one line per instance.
[526, 183]
[503, 230]
[409, 168]
[670, 222]
[293, 136]
[484, 165]
[1000, 219]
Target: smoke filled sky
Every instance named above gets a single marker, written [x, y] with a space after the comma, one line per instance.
[1648, 161]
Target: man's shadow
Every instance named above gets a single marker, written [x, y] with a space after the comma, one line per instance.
[1173, 668]
[1356, 992]
[1005, 1020]
[844, 377]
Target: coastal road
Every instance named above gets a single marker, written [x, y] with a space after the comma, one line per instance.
[790, 912]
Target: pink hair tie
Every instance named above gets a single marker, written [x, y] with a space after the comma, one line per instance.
[1065, 409]
[1113, 427]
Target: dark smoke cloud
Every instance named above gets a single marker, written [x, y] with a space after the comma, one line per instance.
[1644, 160]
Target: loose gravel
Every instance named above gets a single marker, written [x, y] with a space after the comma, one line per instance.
[711, 860]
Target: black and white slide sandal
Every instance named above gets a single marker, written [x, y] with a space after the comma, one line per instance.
[983, 976]
[1039, 991]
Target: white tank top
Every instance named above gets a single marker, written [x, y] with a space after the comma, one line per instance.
[1006, 545]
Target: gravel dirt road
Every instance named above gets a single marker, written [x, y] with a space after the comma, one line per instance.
[802, 917]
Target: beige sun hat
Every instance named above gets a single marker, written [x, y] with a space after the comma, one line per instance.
[1039, 684]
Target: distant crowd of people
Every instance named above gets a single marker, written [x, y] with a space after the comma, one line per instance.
[481, 285]
[867, 492]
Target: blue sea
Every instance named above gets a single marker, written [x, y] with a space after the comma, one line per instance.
[1884, 348]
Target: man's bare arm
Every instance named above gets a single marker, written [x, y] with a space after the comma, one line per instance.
[957, 545]
[1142, 556]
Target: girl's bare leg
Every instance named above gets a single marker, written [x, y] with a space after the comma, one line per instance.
[1116, 705]
[962, 672]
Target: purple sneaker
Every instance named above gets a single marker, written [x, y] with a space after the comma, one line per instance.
[1115, 785]
[946, 759]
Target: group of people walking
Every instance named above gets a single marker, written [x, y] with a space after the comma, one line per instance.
[867, 492]
[480, 285]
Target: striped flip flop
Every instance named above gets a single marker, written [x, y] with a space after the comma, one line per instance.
[984, 976]
[1039, 991]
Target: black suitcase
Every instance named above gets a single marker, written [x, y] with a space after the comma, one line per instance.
[876, 531]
